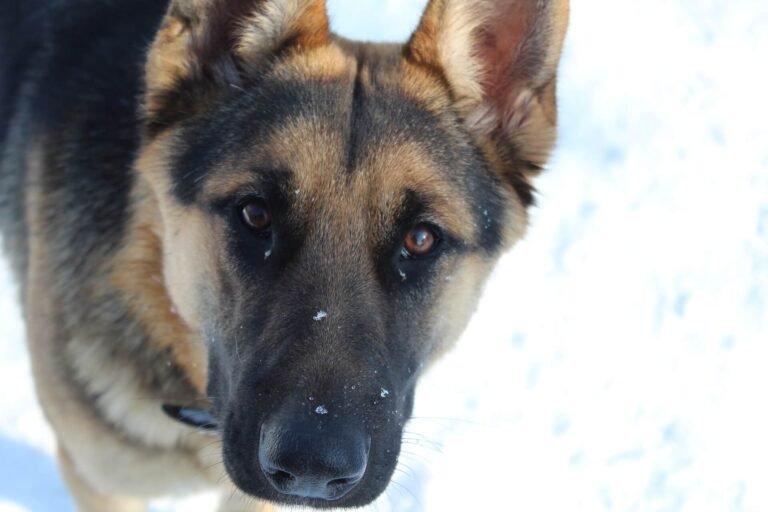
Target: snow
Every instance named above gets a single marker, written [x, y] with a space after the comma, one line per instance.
[617, 359]
[320, 316]
[321, 410]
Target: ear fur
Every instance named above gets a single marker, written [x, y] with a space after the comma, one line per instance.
[203, 46]
[499, 58]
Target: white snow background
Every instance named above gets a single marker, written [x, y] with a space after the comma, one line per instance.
[618, 360]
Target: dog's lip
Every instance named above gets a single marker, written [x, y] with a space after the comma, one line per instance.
[199, 418]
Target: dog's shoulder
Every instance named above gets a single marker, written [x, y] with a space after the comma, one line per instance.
[70, 79]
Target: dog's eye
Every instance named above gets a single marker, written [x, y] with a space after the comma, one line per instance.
[256, 215]
[421, 240]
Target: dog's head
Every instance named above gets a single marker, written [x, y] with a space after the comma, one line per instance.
[330, 210]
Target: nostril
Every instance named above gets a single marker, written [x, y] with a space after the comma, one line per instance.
[343, 482]
[281, 478]
[298, 462]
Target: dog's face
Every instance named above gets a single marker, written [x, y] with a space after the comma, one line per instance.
[330, 210]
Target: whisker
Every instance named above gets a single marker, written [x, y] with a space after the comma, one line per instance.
[220, 480]
[210, 433]
[211, 466]
[447, 419]
[421, 439]
[237, 346]
[209, 444]
[465, 421]
[407, 475]
[232, 495]
[406, 489]
[428, 446]
[400, 464]
[421, 459]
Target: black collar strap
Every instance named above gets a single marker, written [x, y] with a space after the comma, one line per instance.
[199, 418]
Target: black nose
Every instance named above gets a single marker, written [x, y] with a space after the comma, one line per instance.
[300, 460]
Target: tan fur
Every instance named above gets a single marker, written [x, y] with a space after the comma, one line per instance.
[379, 183]
[401, 166]
[445, 41]
[186, 245]
[461, 285]
[322, 63]
[424, 86]
[89, 500]
[189, 250]
[158, 455]
[136, 467]
[269, 26]
[302, 22]
[238, 502]
[168, 62]
[138, 273]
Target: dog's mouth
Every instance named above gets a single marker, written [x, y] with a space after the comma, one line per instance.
[199, 418]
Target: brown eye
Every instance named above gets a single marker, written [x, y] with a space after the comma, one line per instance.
[420, 240]
[256, 215]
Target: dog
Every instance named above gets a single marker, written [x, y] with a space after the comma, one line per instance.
[241, 239]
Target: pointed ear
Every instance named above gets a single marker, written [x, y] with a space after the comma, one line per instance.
[203, 46]
[499, 58]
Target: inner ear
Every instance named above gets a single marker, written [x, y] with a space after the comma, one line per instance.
[499, 58]
[280, 25]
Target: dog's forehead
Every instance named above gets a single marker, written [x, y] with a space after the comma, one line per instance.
[350, 127]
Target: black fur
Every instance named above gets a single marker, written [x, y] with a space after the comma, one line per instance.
[70, 87]
[71, 80]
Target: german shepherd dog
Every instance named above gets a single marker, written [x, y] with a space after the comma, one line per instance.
[241, 239]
